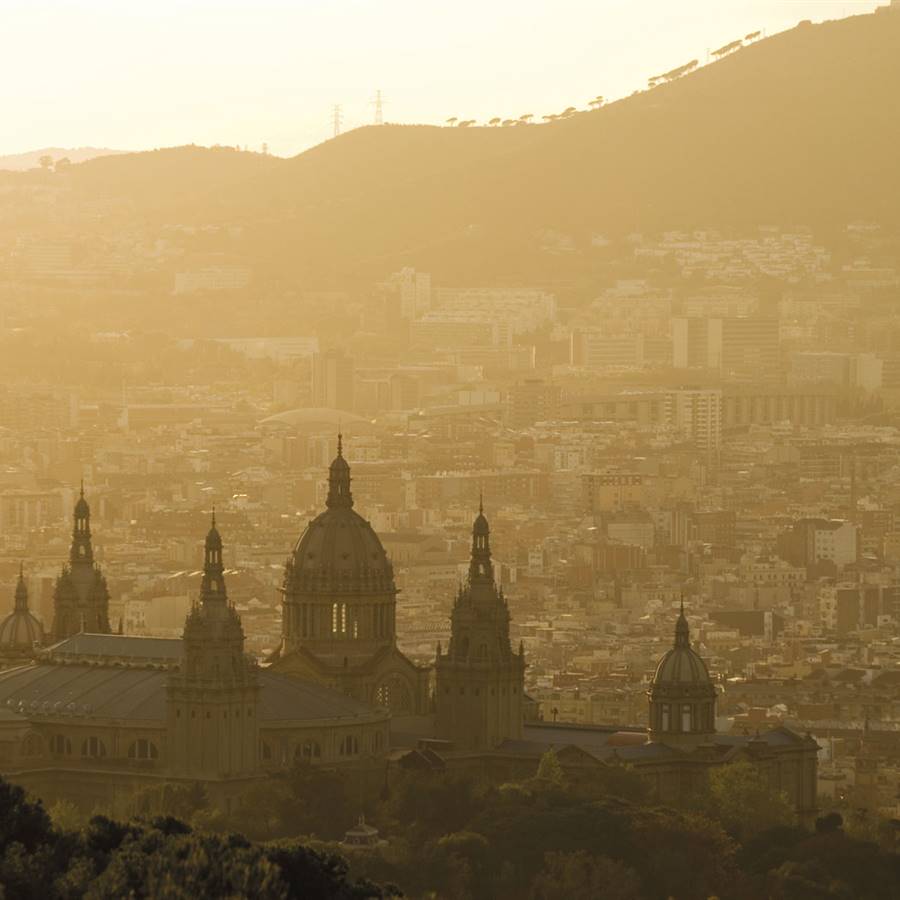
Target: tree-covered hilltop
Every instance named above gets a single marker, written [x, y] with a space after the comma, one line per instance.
[556, 836]
[156, 858]
[796, 128]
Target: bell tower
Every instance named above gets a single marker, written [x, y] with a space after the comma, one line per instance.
[479, 680]
[213, 700]
[81, 597]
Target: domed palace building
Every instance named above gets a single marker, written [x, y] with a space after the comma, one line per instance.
[95, 716]
[339, 608]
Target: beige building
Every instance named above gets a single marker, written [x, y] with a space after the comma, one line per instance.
[339, 618]
[95, 717]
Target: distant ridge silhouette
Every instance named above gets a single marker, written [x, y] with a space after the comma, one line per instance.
[799, 128]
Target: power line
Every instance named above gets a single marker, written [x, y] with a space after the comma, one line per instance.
[378, 103]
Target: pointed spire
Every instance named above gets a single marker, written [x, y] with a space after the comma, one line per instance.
[213, 521]
[81, 550]
[21, 590]
[339, 480]
[481, 501]
[213, 583]
[480, 563]
[682, 629]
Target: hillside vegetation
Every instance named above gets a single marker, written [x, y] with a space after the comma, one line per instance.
[800, 128]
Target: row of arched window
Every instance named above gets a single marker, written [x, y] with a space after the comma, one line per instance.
[311, 750]
[92, 747]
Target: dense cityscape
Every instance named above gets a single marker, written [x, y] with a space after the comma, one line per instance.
[612, 524]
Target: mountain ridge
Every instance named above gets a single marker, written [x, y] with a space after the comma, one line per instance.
[797, 128]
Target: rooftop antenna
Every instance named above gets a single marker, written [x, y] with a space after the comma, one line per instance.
[378, 103]
[337, 119]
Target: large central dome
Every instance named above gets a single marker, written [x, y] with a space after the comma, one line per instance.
[339, 551]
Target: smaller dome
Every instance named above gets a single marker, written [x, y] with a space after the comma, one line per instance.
[20, 630]
[681, 665]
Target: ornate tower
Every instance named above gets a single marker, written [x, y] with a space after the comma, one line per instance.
[213, 699]
[81, 597]
[682, 695]
[339, 607]
[479, 680]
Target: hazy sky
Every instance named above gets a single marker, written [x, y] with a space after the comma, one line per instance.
[136, 74]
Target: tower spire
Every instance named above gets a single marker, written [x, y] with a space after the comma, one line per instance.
[682, 629]
[339, 479]
[21, 590]
[480, 565]
[213, 583]
[82, 550]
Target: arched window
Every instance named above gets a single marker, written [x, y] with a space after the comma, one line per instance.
[349, 746]
[265, 751]
[308, 751]
[664, 717]
[686, 718]
[60, 745]
[93, 747]
[143, 749]
[33, 745]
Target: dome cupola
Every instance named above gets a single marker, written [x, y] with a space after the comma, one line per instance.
[682, 695]
[20, 630]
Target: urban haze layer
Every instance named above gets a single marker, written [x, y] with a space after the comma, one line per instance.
[502, 510]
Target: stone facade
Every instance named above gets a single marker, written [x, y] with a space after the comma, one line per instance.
[479, 681]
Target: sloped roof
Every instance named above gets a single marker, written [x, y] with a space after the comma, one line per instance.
[139, 694]
[139, 648]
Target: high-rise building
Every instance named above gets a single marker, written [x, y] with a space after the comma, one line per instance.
[748, 344]
[333, 380]
[532, 400]
[698, 414]
[479, 681]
